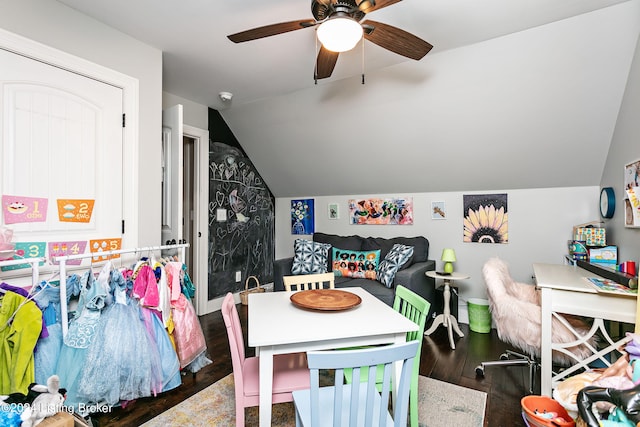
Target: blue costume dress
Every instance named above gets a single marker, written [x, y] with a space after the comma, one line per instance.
[48, 349]
[123, 362]
[82, 329]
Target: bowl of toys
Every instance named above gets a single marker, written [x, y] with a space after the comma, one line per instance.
[543, 411]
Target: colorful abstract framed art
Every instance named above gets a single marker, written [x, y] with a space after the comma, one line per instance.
[396, 211]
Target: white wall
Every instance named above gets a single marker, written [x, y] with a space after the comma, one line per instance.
[194, 114]
[540, 224]
[61, 27]
[624, 150]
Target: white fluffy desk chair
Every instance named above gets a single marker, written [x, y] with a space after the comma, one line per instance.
[516, 312]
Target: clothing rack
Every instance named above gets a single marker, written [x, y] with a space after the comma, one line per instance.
[35, 266]
[62, 263]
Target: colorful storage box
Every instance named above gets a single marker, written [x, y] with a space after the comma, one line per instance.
[607, 255]
[592, 236]
[578, 250]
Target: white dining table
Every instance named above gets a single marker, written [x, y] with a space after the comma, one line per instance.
[277, 326]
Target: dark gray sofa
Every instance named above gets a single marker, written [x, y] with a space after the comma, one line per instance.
[411, 276]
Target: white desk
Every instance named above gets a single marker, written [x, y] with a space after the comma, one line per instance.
[564, 290]
[277, 326]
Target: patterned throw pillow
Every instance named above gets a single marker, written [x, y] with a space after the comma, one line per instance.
[360, 264]
[388, 268]
[309, 257]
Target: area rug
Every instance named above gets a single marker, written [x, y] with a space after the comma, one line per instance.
[441, 405]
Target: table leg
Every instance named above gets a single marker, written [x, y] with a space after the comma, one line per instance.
[446, 319]
[451, 341]
[266, 386]
[546, 350]
[456, 328]
[397, 370]
[447, 313]
[439, 320]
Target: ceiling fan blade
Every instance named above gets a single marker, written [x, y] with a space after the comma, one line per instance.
[366, 6]
[325, 63]
[270, 30]
[397, 40]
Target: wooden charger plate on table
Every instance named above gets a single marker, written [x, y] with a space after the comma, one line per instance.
[325, 299]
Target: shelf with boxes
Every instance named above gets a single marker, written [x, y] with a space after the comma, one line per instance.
[589, 250]
[589, 242]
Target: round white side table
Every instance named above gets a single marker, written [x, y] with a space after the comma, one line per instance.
[446, 319]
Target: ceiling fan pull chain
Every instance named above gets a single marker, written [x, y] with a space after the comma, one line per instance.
[315, 63]
[362, 41]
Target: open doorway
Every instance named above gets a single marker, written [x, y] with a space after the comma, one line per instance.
[188, 197]
[195, 211]
[185, 196]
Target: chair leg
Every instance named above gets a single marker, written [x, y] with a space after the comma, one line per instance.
[533, 368]
[413, 406]
[298, 419]
[239, 415]
[521, 360]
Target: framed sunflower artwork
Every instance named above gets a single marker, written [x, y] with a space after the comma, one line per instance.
[485, 218]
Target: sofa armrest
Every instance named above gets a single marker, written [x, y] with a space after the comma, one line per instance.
[415, 279]
[281, 267]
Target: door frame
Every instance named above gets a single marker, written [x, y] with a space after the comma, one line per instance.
[201, 207]
[130, 106]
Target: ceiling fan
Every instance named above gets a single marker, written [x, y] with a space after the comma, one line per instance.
[329, 12]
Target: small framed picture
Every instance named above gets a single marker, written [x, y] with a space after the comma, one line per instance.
[438, 210]
[332, 211]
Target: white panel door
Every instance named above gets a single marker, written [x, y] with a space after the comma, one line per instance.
[172, 174]
[61, 139]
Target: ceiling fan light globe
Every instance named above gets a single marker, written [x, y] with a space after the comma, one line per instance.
[339, 34]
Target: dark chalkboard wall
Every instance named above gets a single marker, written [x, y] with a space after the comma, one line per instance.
[244, 240]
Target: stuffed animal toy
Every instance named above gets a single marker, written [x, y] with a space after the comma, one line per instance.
[47, 403]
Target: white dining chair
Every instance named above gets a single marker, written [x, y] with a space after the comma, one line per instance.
[303, 282]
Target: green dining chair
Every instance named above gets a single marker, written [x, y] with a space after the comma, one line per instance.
[415, 308]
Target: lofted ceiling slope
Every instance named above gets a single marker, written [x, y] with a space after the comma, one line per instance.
[513, 95]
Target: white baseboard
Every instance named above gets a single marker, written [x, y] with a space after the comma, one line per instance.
[463, 314]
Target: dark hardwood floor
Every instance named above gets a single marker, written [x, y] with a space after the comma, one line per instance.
[504, 386]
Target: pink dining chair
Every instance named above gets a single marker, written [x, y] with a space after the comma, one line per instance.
[290, 371]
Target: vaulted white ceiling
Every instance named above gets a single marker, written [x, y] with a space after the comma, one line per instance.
[514, 94]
